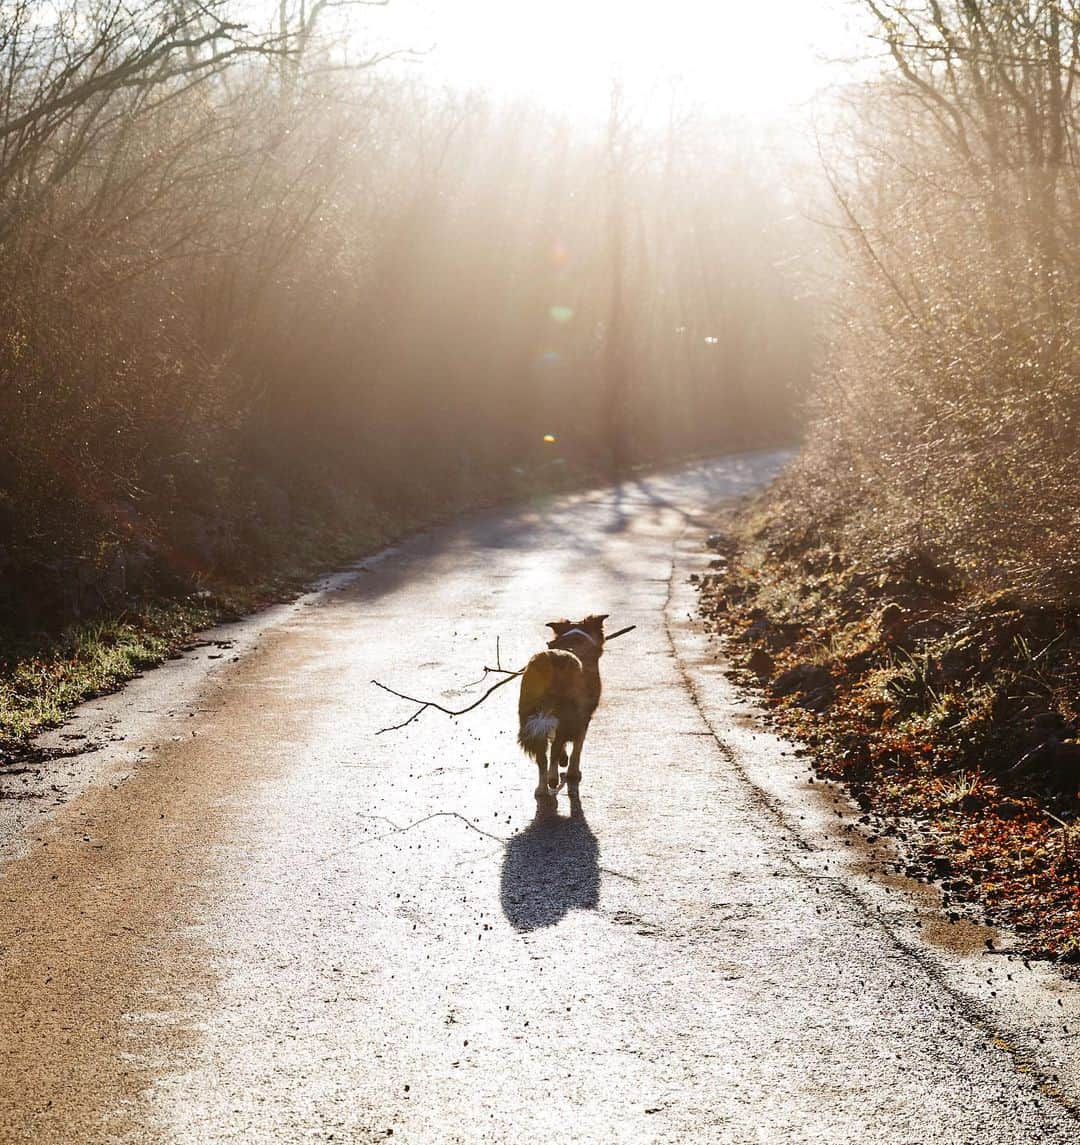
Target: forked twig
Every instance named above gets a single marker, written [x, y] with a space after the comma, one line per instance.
[510, 675]
[487, 671]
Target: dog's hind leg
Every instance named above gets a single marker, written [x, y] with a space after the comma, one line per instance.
[540, 755]
[558, 759]
[573, 772]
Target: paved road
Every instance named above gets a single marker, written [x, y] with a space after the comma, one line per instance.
[268, 924]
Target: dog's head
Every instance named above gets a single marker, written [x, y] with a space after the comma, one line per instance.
[585, 638]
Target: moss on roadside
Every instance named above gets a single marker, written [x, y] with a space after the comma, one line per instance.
[42, 679]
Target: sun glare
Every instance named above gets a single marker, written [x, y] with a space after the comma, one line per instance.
[754, 60]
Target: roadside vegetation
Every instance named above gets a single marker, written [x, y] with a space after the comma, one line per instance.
[907, 592]
[267, 297]
[46, 672]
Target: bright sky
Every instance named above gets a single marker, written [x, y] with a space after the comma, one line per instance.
[759, 57]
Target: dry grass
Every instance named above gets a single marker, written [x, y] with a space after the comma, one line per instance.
[954, 714]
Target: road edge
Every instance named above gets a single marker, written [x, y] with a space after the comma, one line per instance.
[1026, 1009]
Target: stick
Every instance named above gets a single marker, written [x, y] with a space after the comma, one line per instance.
[510, 675]
[425, 704]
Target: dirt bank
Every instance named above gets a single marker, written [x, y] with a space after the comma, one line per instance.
[951, 716]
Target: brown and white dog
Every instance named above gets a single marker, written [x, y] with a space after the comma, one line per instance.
[560, 689]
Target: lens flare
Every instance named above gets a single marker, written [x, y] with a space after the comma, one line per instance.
[549, 439]
[561, 314]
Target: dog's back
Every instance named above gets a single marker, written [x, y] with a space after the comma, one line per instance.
[554, 697]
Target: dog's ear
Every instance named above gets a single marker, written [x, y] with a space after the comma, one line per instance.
[559, 626]
[594, 624]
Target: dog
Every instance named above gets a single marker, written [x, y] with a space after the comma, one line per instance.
[560, 689]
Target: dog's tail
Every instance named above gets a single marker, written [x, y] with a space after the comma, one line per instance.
[537, 722]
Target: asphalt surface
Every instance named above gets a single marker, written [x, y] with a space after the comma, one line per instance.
[242, 915]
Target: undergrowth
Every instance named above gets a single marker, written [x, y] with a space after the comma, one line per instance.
[951, 709]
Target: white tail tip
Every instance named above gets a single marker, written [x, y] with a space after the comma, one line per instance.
[540, 726]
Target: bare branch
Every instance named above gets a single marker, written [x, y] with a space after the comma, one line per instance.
[425, 704]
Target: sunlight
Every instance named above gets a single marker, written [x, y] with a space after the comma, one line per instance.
[755, 60]
[348, 350]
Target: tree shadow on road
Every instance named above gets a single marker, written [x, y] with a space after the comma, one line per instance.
[550, 868]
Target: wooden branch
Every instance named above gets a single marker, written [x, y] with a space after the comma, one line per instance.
[425, 704]
[510, 674]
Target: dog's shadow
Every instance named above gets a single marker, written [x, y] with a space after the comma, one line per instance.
[551, 867]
